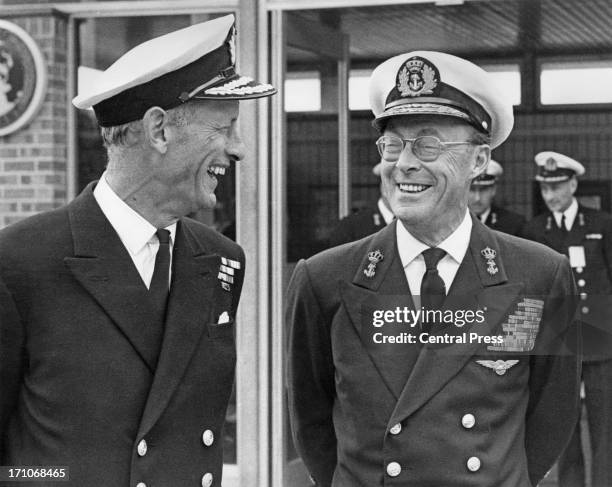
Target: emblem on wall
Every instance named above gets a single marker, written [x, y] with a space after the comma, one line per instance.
[23, 77]
[417, 77]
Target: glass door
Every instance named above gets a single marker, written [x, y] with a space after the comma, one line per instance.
[310, 184]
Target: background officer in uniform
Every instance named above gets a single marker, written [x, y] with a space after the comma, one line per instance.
[369, 409]
[117, 347]
[363, 222]
[585, 236]
[482, 194]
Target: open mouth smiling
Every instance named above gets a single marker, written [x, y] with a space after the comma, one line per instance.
[214, 171]
[413, 187]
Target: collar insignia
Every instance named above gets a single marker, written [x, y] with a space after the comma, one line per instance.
[499, 366]
[417, 77]
[374, 257]
[489, 254]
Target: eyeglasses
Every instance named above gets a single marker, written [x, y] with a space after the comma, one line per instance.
[427, 148]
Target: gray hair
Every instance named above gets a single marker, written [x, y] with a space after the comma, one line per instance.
[117, 136]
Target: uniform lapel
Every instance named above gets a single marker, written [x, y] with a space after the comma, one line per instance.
[103, 266]
[386, 289]
[190, 305]
[578, 232]
[474, 287]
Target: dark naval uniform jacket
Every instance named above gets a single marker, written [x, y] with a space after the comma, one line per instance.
[592, 230]
[505, 221]
[79, 385]
[357, 225]
[465, 414]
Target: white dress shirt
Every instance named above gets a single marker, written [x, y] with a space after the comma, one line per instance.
[570, 215]
[484, 215]
[136, 233]
[410, 252]
[385, 212]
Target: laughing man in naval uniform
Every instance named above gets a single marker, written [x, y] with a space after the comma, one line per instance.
[585, 236]
[117, 346]
[380, 395]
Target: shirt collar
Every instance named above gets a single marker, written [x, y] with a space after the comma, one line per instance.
[455, 245]
[385, 212]
[570, 214]
[133, 230]
[484, 215]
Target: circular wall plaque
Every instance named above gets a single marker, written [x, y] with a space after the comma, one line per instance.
[23, 77]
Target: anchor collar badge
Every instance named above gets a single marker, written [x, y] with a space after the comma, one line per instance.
[489, 255]
[374, 258]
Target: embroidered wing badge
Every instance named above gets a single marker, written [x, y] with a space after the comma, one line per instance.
[499, 366]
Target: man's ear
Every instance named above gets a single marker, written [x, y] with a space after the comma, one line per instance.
[482, 158]
[573, 184]
[154, 123]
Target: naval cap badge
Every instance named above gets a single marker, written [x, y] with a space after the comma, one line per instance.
[374, 257]
[489, 254]
[550, 164]
[417, 77]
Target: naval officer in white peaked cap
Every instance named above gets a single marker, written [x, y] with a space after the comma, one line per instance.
[584, 235]
[117, 318]
[379, 397]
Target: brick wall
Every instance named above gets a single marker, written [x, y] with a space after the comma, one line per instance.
[33, 159]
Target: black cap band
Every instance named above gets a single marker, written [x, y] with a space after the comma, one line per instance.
[556, 176]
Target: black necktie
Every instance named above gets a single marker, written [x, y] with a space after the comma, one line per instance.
[433, 290]
[159, 288]
[563, 227]
[159, 281]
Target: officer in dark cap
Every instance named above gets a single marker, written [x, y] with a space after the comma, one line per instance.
[117, 312]
[388, 383]
[364, 221]
[482, 194]
[585, 236]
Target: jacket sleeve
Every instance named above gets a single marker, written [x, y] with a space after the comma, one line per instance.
[554, 384]
[11, 359]
[310, 378]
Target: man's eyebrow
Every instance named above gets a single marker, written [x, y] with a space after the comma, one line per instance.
[427, 131]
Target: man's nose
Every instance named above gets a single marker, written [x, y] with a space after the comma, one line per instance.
[235, 145]
[408, 161]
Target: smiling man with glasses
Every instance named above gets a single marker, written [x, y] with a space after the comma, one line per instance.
[436, 351]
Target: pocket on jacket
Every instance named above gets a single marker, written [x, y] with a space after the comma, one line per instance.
[219, 330]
